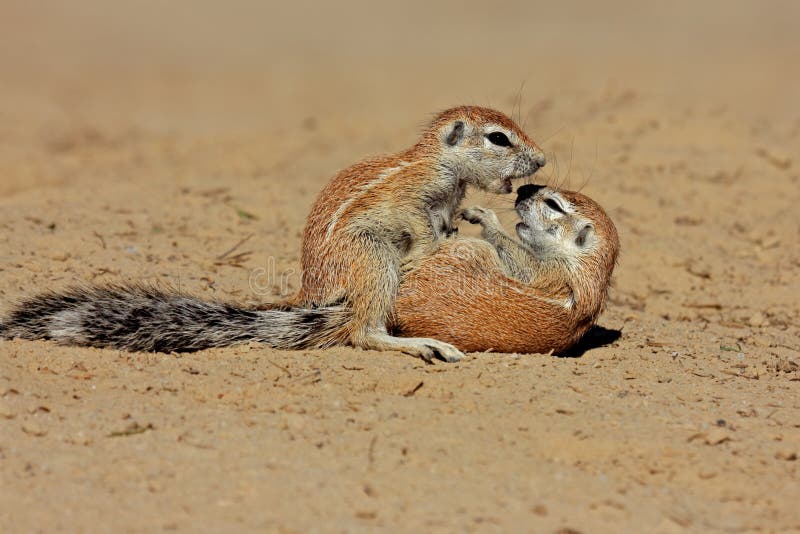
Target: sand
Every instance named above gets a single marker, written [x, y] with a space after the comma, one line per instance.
[184, 142]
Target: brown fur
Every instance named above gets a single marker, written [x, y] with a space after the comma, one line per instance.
[468, 295]
[381, 212]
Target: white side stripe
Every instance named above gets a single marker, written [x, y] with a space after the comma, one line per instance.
[361, 191]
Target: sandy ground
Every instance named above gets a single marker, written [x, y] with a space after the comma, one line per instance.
[144, 140]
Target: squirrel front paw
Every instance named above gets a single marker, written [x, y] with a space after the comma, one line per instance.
[478, 215]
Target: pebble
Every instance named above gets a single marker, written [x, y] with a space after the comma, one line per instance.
[717, 435]
[540, 510]
[770, 242]
[6, 411]
[78, 438]
[294, 422]
[714, 436]
[33, 429]
[758, 319]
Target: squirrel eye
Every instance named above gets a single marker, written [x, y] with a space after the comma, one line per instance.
[553, 205]
[498, 138]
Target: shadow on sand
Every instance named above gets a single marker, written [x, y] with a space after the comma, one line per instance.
[597, 336]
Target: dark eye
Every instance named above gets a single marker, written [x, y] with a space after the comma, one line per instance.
[553, 205]
[498, 138]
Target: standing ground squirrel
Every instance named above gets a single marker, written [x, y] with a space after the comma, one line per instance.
[381, 212]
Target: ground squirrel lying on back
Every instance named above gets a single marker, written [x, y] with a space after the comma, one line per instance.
[367, 221]
[536, 294]
[539, 293]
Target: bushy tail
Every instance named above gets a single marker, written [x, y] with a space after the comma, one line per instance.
[141, 318]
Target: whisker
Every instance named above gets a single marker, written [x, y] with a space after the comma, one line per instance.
[554, 177]
[505, 210]
[568, 179]
[588, 178]
[547, 138]
[519, 103]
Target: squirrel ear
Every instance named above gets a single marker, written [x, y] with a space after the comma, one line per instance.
[456, 134]
[583, 235]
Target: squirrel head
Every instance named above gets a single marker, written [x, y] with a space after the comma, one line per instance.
[566, 226]
[483, 147]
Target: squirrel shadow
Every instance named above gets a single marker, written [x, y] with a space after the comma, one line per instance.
[595, 337]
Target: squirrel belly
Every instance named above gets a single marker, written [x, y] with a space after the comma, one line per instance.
[461, 295]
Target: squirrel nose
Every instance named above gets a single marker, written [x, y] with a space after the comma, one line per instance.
[525, 192]
[539, 161]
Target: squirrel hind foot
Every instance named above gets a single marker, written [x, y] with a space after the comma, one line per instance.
[426, 349]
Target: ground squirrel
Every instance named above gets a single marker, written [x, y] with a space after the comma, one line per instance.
[379, 213]
[540, 293]
[367, 221]
[536, 294]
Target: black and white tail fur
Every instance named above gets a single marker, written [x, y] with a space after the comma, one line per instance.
[142, 318]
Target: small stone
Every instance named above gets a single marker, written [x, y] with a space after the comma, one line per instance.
[6, 411]
[294, 422]
[707, 474]
[758, 319]
[33, 429]
[370, 491]
[770, 242]
[78, 438]
[789, 456]
[717, 435]
[540, 510]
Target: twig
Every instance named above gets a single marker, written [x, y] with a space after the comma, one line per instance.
[732, 373]
[711, 306]
[131, 430]
[371, 452]
[410, 393]
[282, 368]
[316, 374]
[234, 247]
[98, 236]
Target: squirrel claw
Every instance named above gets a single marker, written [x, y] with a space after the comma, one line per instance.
[479, 215]
[432, 350]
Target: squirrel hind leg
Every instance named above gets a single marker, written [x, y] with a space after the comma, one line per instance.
[420, 347]
[376, 278]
